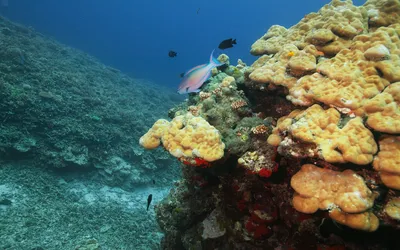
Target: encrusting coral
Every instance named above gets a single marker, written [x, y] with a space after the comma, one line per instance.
[186, 137]
[331, 58]
[331, 29]
[351, 143]
[387, 161]
[382, 13]
[354, 75]
[384, 110]
[319, 188]
[366, 221]
[392, 208]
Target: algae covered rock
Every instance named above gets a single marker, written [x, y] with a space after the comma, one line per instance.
[67, 109]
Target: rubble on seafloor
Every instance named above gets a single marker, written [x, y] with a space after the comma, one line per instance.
[310, 140]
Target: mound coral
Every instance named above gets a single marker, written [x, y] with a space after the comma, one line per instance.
[366, 221]
[384, 110]
[387, 162]
[345, 193]
[316, 126]
[186, 136]
[392, 209]
[331, 29]
[329, 57]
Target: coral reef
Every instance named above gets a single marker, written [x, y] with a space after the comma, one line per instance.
[311, 140]
[330, 57]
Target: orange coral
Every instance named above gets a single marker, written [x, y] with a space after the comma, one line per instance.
[319, 188]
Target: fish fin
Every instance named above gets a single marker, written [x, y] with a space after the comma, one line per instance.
[234, 41]
[214, 61]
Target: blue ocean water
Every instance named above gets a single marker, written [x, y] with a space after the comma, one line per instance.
[135, 36]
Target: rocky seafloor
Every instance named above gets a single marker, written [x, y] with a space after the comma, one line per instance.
[47, 210]
[72, 174]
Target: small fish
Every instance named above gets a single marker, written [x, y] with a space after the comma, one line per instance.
[149, 201]
[172, 53]
[226, 44]
[182, 74]
[194, 78]
[154, 182]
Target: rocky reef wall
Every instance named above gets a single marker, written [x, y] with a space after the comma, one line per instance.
[310, 139]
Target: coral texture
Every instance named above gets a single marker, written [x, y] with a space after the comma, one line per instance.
[331, 57]
[186, 136]
[387, 161]
[350, 143]
[345, 193]
[392, 208]
[384, 110]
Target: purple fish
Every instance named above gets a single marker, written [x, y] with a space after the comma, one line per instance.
[194, 78]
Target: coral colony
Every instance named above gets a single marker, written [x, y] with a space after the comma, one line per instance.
[298, 146]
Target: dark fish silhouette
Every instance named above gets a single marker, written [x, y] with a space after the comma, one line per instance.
[228, 43]
[149, 201]
[182, 75]
[154, 181]
[172, 53]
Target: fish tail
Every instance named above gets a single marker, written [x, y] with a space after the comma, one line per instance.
[214, 61]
